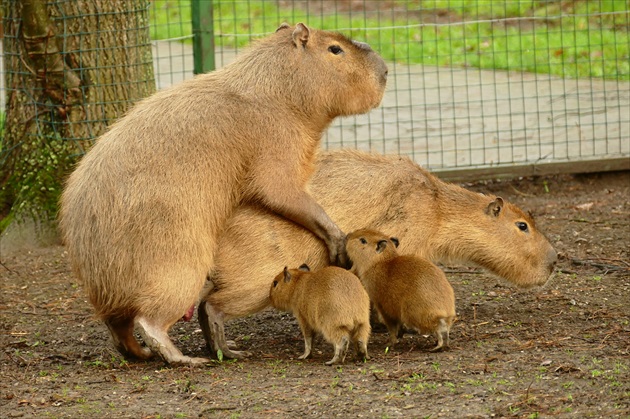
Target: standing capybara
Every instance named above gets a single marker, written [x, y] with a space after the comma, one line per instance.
[439, 221]
[142, 212]
[404, 289]
[331, 301]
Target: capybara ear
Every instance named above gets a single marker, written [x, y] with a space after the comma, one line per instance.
[287, 274]
[300, 35]
[283, 25]
[381, 245]
[304, 267]
[395, 241]
[494, 207]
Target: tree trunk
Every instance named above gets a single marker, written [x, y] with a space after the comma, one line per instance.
[72, 68]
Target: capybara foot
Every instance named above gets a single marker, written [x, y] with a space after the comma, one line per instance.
[212, 325]
[156, 337]
[229, 353]
[438, 348]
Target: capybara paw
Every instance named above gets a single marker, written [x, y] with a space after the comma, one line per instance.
[236, 354]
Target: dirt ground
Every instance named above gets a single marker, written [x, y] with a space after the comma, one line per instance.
[562, 350]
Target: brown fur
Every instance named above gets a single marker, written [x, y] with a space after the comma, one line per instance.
[404, 289]
[142, 213]
[439, 221]
[331, 301]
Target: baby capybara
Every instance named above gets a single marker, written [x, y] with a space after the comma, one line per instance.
[404, 289]
[330, 301]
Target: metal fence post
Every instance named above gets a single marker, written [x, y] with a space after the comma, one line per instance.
[203, 36]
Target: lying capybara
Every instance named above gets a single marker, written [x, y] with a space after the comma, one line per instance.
[330, 301]
[404, 289]
[440, 221]
[142, 212]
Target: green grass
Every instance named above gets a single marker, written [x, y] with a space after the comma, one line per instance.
[580, 46]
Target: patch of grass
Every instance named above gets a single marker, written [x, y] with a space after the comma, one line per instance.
[566, 46]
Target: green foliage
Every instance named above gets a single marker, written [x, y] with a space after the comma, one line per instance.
[36, 182]
[580, 46]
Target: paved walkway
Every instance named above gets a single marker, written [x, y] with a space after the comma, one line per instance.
[447, 118]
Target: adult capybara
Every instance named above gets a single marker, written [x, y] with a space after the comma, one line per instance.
[330, 301]
[440, 221]
[404, 289]
[142, 212]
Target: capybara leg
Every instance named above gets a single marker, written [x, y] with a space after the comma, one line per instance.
[393, 328]
[213, 328]
[299, 207]
[156, 337]
[442, 336]
[341, 348]
[125, 341]
[361, 337]
[308, 341]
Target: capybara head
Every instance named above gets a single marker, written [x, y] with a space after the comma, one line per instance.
[366, 247]
[283, 287]
[321, 70]
[508, 243]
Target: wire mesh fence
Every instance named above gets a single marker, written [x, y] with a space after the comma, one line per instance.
[498, 87]
[507, 87]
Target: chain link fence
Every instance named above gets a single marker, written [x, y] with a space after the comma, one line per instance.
[476, 89]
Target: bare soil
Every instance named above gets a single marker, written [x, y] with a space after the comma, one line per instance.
[562, 350]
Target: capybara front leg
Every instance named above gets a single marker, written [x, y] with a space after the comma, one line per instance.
[125, 341]
[213, 328]
[308, 341]
[301, 208]
[156, 337]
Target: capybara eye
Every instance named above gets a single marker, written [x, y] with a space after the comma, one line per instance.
[522, 226]
[335, 49]
[275, 284]
[363, 241]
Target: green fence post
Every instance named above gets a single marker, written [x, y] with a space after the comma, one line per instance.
[203, 35]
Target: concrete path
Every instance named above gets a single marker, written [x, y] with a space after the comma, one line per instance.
[449, 118]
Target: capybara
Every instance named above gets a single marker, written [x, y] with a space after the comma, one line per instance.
[404, 289]
[330, 301]
[142, 213]
[440, 221]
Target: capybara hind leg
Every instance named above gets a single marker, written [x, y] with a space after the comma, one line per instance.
[213, 328]
[393, 327]
[341, 348]
[442, 336]
[125, 341]
[361, 336]
[156, 337]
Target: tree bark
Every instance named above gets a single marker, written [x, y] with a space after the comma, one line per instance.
[72, 68]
